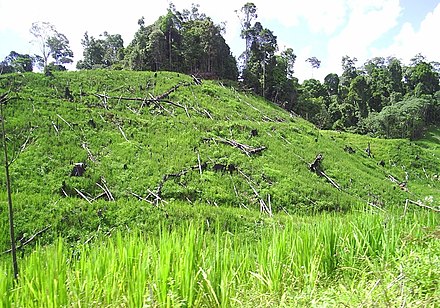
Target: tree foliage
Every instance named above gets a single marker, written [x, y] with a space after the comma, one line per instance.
[187, 41]
[103, 52]
[17, 63]
[383, 97]
[52, 44]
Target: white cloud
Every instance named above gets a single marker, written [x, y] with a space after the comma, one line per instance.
[321, 16]
[368, 21]
[410, 42]
[75, 18]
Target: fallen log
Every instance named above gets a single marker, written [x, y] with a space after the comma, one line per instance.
[144, 100]
[29, 240]
[167, 93]
[402, 185]
[418, 203]
[247, 149]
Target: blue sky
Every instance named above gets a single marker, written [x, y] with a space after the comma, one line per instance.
[326, 29]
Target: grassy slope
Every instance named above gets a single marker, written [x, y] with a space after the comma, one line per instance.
[168, 140]
[360, 253]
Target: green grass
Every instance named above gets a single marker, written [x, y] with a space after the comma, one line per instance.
[384, 261]
[208, 243]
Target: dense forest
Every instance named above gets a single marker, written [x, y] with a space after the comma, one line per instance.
[383, 96]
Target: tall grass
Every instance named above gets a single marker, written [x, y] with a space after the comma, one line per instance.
[192, 266]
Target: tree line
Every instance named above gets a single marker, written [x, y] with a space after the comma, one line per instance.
[381, 96]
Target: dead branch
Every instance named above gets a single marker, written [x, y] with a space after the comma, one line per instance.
[247, 149]
[141, 198]
[165, 178]
[375, 206]
[22, 147]
[101, 195]
[89, 154]
[147, 101]
[156, 103]
[82, 195]
[200, 166]
[106, 192]
[393, 179]
[263, 205]
[167, 93]
[55, 127]
[68, 124]
[368, 150]
[104, 97]
[93, 236]
[29, 240]
[196, 80]
[156, 201]
[207, 113]
[122, 132]
[418, 203]
[104, 183]
[287, 141]
[336, 185]
[402, 185]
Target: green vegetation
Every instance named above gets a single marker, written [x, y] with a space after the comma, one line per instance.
[375, 260]
[382, 97]
[155, 220]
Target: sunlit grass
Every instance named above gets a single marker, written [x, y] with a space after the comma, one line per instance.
[192, 266]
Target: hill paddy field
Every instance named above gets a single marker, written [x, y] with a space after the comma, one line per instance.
[143, 189]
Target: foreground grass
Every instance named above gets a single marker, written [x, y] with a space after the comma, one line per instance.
[358, 259]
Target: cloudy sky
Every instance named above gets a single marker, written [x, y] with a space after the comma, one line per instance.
[326, 29]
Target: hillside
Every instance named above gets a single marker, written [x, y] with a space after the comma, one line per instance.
[158, 189]
[185, 147]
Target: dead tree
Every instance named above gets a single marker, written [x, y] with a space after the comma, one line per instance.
[78, 169]
[368, 150]
[315, 166]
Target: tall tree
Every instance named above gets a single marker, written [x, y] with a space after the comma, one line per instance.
[396, 74]
[257, 73]
[246, 14]
[289, 58]
[349, 70]
[51, 44]
[284, 84]
[314, 62]
[359, 94]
